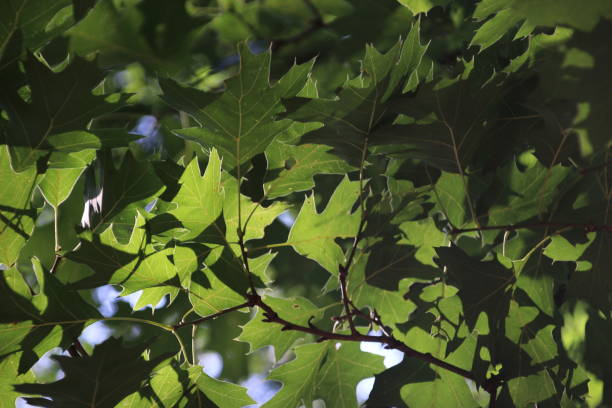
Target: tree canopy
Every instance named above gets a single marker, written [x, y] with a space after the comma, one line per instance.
[279, 183]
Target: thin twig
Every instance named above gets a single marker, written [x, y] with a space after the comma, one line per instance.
[56, 263]
[194, 356]
[595, 168]
[513, 227]
[342, 274]
[73, 351]
[195, 322]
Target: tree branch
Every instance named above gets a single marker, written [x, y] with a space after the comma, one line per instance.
[388, 341]
[514, 227]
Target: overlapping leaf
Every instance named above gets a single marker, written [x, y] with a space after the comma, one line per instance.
[490, 295]
[241, 122]
[34, 323]
[16, 215]
[291, 168]
[352, 117]
[134, 185]
[32, 20]
[344, 367]
[94, 380]
[444, 124]
[59, 102]
[134, 265]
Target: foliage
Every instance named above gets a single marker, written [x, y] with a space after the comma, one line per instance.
[448, 196]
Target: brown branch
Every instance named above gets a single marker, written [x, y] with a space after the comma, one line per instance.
[490, 386]
[245, 258]
[595, 168]
[387, 339]
[343, 270]
[73, 351]
[342, 274]
[213, 316]
[76, 350]
[389, 342]
[79, 347]
[514, 227]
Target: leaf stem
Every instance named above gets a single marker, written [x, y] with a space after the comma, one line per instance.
[214, 315]
[132, 319]
[56, 229]
[194, 357]
[56, 262]
[182, 346]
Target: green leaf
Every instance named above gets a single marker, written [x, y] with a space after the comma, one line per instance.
[591, 282]
[16, 216]
[115, 32]
[134, 185]
[223, 283]
[168, 384]
[134, 265]
[490, 296]
[240, 122]
[94, 380]
[564, 12]
[424, 235]
[200, 199]
[443, 125]
[422, 6]
[29, 323]
[531, 389]
[32, 20]
[313, 235]
[58, 182]
[390, 304]
[355, 113]
[60, 102]
[523, 330]
[299, 377]
[597, 351]
[152, 296]
[10, 377]
[259, 333]
[345, 365]
[448, 389]
[537, 279]
[222, 393]
[492, 30]
[387, 384]
[525, 194]
[291, 168]
[254, 216]
[78, 140]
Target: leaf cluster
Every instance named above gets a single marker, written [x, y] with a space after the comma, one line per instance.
[444, 193]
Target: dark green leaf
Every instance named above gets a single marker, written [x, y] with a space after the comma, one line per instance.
[95, 380]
